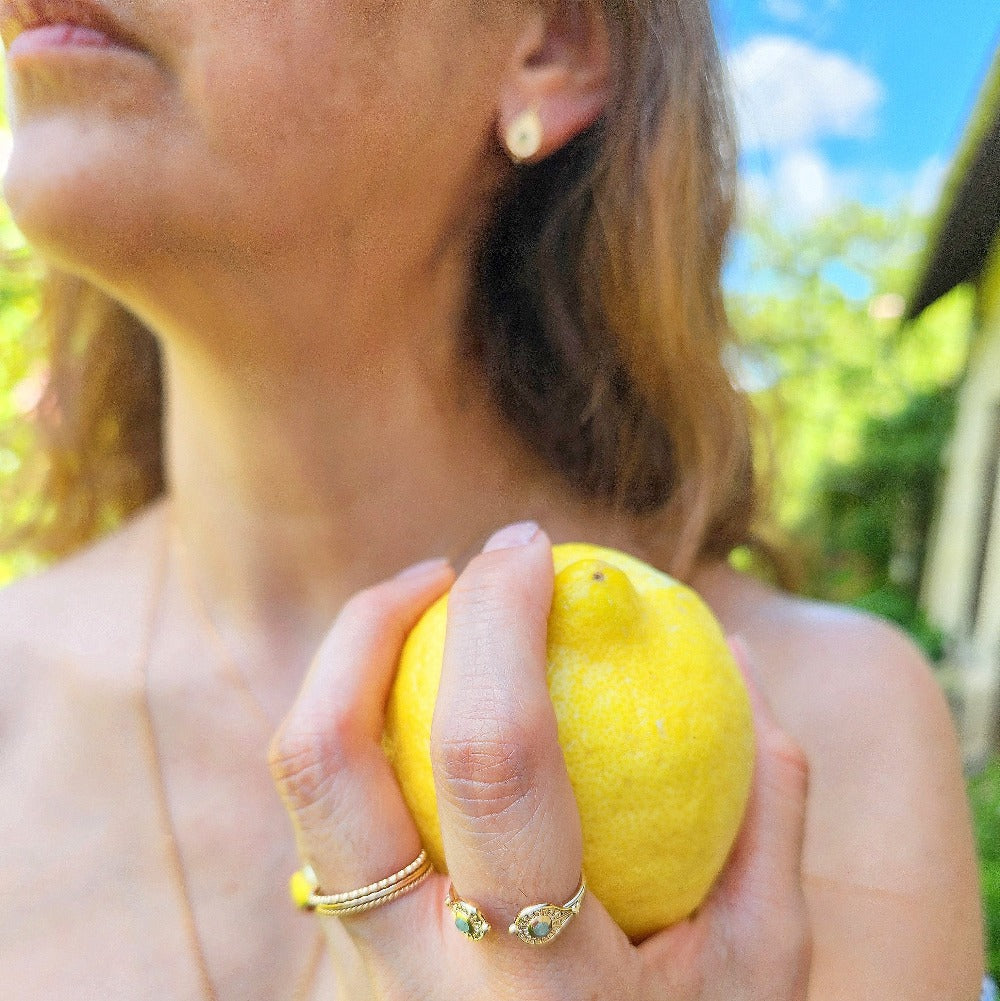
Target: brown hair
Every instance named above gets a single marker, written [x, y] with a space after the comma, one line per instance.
[599, 317]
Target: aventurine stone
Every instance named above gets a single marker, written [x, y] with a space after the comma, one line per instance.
[539, 929]
[462, 924]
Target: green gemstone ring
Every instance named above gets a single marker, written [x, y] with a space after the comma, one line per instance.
[469, 919]
[541, 923]
[535, 925]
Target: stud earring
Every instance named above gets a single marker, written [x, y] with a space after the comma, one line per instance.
[524, 136]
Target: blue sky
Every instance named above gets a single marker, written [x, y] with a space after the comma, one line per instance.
[840, 99]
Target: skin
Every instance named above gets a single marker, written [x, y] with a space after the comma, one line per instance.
[294, 220]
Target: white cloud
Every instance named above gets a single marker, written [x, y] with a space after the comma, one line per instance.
[806, 184]
[790, 93]
[918, 189]
[791, 96]
[801, 186]
[786, 10]
[798, 11]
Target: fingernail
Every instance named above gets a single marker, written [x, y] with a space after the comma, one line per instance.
[512, 536]
[742, 654]
[737, 644]
[423, 569]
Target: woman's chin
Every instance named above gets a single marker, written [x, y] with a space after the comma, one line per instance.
[63, 238]
[76, 196]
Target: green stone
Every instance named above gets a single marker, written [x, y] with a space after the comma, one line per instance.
[539, 929]
[462, 924]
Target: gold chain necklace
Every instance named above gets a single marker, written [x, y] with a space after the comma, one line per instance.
[305, 981]
[222, 655]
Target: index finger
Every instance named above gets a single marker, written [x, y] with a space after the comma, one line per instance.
[350, 819]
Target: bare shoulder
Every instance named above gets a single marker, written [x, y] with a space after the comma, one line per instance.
[68, 642]
[828, 664]
[83, 609]
[861, 700]
[834, 674]
[889, 861]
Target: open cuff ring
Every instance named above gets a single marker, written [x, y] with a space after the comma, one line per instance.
[538, 924]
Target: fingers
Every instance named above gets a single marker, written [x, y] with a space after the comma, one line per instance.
[509, 820]
[754, 926]
[760, 900]
[350, 819]
[767, 858]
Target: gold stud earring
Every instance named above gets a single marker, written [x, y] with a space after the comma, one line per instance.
[524, 136]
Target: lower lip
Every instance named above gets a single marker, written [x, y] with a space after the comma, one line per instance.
[61, 37]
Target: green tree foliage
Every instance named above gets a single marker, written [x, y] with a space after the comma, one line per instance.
[22, 375]
[873, 516]
[984, 796]
[858, 411]
[22, 370]
[858, 407]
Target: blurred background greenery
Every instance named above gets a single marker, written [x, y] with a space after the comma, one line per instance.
[858, 409]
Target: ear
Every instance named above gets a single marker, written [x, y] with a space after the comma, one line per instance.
[560, 68]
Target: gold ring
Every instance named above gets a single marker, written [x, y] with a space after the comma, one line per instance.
[541, 923]
[469, 919]
[305, 892]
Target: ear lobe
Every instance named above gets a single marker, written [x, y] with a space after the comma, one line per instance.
[560, 70]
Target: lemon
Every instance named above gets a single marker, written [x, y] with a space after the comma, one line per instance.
[655, 726]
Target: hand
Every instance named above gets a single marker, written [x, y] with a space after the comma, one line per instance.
[509, 820]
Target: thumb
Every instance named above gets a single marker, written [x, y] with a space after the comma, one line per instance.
[765, 865]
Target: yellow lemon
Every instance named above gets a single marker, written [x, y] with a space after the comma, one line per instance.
[654, 722]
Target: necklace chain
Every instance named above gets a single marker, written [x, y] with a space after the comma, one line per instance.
[223, 656]
[171, 844]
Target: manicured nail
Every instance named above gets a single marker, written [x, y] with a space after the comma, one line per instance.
[425, 568]
[512, 536]
[740, 650]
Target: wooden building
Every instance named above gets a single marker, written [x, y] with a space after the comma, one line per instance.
[961, 581]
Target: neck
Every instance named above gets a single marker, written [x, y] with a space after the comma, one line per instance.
[295, 485]
[325, 431]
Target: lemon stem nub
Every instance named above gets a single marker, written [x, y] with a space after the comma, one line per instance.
[598, 597]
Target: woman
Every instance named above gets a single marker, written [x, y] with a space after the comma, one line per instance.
[418, 271]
